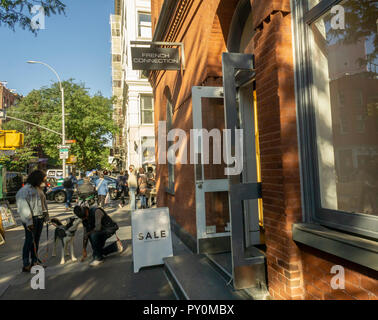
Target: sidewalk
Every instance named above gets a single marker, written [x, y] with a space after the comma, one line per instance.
[114, 279]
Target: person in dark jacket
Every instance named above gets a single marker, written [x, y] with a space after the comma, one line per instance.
[122, 187]
[98, 227]
[69, 184]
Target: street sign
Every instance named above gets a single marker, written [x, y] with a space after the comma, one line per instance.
[63, 153]
[71, 141]
[155, 58]
[64, 147]
[151, 237]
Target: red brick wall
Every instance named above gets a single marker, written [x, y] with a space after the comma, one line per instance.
[360, 283]
[279, 150]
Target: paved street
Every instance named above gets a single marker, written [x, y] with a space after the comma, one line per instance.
[114, 279]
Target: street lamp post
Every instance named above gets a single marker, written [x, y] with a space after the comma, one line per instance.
[63, 116]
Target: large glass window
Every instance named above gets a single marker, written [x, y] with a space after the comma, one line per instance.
[341, 75]
[147, 110]
[144, 25]
[337, 88]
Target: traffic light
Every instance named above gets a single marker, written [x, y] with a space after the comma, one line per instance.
[11, 139]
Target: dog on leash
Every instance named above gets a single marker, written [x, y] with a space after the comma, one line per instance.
[66, 234]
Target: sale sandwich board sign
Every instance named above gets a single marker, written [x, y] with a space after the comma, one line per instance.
[151, 237]
[144, 58]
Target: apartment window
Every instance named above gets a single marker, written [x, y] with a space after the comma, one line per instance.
[343, 124]
[117, 83]
[341, 99]
[337, 195]
[146, 109]
[360, 123]
[116, 58]
[116, 32]
[358, 99]
[144, 25]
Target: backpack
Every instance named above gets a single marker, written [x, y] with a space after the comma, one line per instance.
[67, 183]
[107, 223]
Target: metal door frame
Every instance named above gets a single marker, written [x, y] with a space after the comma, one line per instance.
[250, 170]
[202, 185]
[246, 270]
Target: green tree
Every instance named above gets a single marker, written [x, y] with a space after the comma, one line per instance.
[88, 121]
[14, 12]
[19, 160]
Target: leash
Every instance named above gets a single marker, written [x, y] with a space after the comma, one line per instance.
[35, 249]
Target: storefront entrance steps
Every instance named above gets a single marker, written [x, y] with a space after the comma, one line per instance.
[222, 262]
[193, 278]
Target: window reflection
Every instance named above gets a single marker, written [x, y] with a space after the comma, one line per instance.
[345, 95]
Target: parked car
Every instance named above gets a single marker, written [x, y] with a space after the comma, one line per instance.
[58, 194]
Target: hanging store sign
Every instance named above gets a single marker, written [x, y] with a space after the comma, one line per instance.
[155, 58]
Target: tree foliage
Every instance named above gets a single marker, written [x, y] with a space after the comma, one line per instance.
[19, 160]
[13, 12]
[88, 121]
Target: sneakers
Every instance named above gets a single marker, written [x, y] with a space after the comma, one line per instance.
[95, 263]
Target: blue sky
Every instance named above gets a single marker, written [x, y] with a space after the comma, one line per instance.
[76, 45]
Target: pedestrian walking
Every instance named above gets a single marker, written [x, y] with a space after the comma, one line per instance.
[98, 227]
[31, 211]
[122, 187]
[69, 184]
[132, 183]
[102, 190]
[143, 190]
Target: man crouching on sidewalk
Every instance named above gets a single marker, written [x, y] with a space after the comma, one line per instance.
[98, 227]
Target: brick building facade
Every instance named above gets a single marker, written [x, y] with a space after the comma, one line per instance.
[7, 98]
[300, 245]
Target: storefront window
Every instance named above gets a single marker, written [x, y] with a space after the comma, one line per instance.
[344, 61]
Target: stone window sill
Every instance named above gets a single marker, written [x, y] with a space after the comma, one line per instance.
[349, 247]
